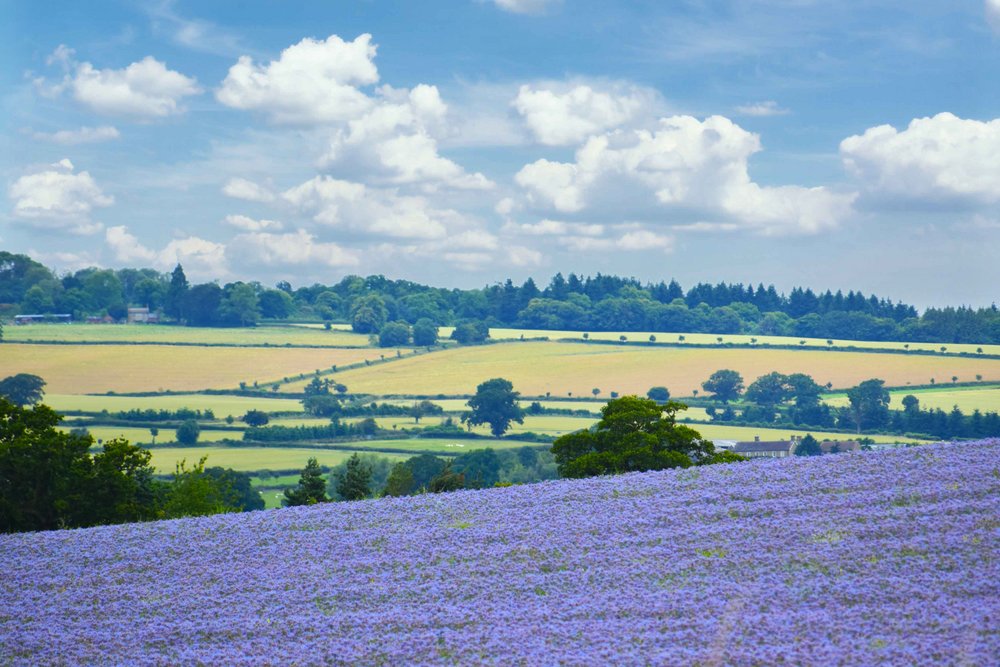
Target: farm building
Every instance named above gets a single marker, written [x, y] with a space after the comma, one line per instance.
[783, 448]
[46, 318]
[142, 316]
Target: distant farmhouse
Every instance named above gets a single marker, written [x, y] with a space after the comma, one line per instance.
[142, 316]
[56, 318]
[782, 448]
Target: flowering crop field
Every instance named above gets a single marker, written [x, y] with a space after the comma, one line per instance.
[860, 559]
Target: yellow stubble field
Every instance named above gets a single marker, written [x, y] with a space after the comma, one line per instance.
[563, 368]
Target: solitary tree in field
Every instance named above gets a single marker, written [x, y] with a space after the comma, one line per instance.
[633, 434]
[311, 488]
[495, 403]
[658, 394]
[188, 432]
[595, 391]
[255, 418]
[727, 385]
[154, 432]
[22, 389]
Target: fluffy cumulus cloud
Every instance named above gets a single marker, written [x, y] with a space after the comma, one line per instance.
[562, 116]
[58, 197]
[85, 135]
[394, 142]
[942, 158]
[146, 89]
[241, 188]
[312, 82]
[201, 259]
[548, 227]
[685, 166]
[294, 249]
[372, 211]
[126, 246]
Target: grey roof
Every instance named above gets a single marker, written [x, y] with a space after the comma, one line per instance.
[779, 446]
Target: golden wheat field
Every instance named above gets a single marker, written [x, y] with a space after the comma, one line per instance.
[575, 368]
[89, 369]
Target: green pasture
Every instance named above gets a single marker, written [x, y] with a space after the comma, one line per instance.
[276, 335]
[747, 433]
[736, 339]
[142, 436]
[967, 399]
[248, 458]
[96, 369]
[574, 369]
[220, 405]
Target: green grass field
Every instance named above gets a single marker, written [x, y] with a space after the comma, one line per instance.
[747, 433]
[93, 369]
[142, 436]
[160, 333]
[966, 398]
[738, 339]
[563, 368]
[220, 405]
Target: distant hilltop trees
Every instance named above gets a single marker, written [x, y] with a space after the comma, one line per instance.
[575, 303]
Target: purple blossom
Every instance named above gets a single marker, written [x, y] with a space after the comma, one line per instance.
[871, 558]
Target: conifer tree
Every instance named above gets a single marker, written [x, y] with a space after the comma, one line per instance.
[311, 488]
[355, 483]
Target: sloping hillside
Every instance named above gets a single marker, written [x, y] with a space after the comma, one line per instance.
[887, 558]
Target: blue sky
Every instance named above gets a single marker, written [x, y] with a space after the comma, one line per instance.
[795, 142]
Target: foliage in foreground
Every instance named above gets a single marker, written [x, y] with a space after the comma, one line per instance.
[873, 558]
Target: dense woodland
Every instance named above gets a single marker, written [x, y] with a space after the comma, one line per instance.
[590, 303]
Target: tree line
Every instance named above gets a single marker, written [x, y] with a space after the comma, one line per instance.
[401, 312]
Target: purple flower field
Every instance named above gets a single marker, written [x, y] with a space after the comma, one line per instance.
[860, 559]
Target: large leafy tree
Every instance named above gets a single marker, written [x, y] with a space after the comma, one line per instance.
[770, 390]
[311, 488]
[495, 403]
[22, 389]
[727, 385]
[239, 306]
[869, 403]
[633, 434]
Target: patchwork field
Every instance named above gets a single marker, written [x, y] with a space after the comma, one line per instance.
[882, 558]
[736, 339]
[561, 368]
[220, 405]
[142, 436]
[86, 369]
[161, 333]
[966, 398]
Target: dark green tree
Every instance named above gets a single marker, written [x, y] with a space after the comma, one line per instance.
[495, 403]
[633, 434]
[470, 332]
[201, 305]
[188, 432]
[425, 332]
[808, 446]
[194, 493]
[245, 497]
[447, 481]
[480, 468]
[424, 467]
[173, 302]
[869, 403]
[355, 482]
[769, 390]
[255, 418]
[394, 334]
[424, 408]
[311, 488]
[22, 389]
[400, 482]
[368, 314]
[240, 306]
[725, 384]
[658, 394]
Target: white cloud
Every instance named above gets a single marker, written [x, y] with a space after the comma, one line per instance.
[250, 225]
[561, 117]
[992, 9]
[394, 142]
[85, 135]
[645, 240]
[766, 108]
[682, 165]
[525, 6]
[523, 256]
[126, 246]
[144, 89]
[58, 198]
[312, 82]
[298, 248]
[934, 159]
[548, 227]
[199, 257]
[337, 203]
[241, 188]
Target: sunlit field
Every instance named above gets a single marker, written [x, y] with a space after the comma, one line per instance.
[563, 369]
[162, 333]
[966, 398]
[85, 369]
[220, 405]
[141, 435]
